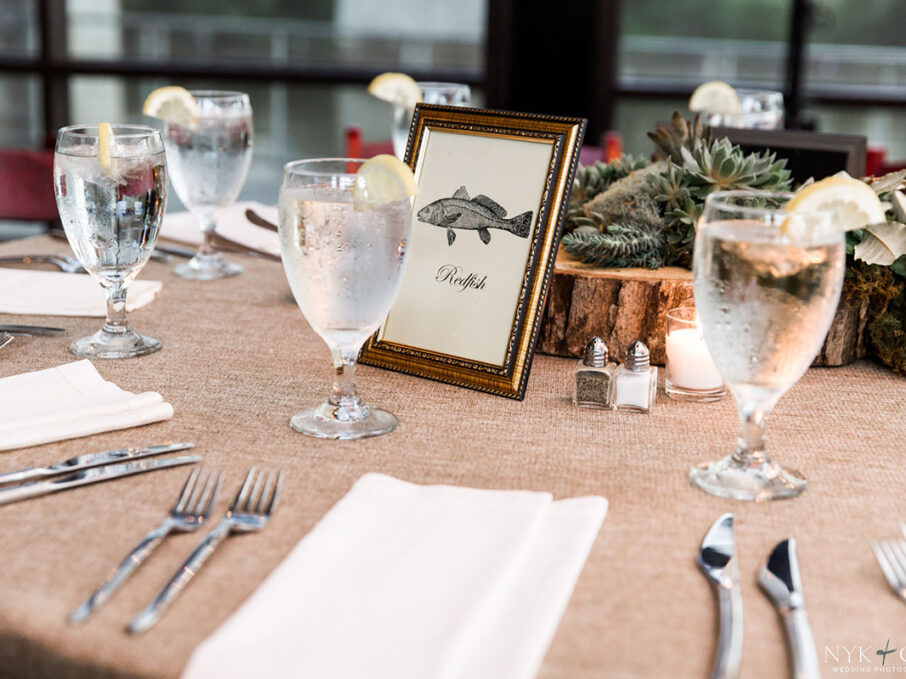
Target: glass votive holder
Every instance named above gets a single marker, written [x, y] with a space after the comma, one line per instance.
[691, 374]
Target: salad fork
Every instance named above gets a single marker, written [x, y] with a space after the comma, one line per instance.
[249, 512]
[191, 509]
[891, 556]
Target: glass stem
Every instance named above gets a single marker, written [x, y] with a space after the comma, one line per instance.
[207, 234]
[116, 309]
[343, 393]
[750, 443]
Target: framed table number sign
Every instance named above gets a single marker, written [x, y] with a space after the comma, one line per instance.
[492, 194]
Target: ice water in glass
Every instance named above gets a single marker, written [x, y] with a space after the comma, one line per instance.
[112, 217]
[344, 263]
[209, 162]
[445, 94]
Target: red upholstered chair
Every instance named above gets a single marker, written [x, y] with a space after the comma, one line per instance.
[26, 185]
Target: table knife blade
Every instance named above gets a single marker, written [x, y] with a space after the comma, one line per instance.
[88, 476]
[780, 581]
[90, 460]
[717, 560]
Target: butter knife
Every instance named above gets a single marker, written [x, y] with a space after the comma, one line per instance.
[29, 329]
[87, 476]
[90, 460]
[780, 581]
[717, 560]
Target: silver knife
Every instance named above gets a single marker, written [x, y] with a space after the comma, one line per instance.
[779, 578]
[717, 560]
[88, 476]
[29, 329]
[90, 460]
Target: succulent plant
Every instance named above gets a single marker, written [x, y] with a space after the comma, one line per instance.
[723, 166]
[680, 135]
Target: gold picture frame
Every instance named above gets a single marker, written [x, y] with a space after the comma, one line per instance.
[493, 192]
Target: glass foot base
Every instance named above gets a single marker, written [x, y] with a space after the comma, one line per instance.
[103, 344]
[678, 393]
[207, 268]
[731, 479]
[328, 421]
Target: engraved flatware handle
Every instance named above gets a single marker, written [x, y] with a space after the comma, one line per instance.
[802, 645]
[153, 611]
[728, 658]
[127, 566]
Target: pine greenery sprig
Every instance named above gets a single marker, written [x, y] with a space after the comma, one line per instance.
[619, 246]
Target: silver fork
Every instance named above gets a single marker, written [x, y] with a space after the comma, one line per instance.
[249, 512]
[191, 509]
[891, 556]
[5, 338]
[64, 263]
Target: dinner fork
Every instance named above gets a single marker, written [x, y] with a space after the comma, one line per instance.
[5, 338]
[64, 263]
[249, 512]
[891, 556]
[191, 509]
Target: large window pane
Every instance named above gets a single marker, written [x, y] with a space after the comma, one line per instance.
[21, 119]
[18, 28]
[355, 33]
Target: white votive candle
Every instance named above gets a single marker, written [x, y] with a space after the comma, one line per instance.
[689, 365]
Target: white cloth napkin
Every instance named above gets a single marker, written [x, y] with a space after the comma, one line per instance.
[399, 580]
[69, 401]
[231, 223]
[52, 293]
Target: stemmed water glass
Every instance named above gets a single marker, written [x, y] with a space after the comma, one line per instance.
[767, 283]
[110, 203]
[344, 260]
[446, 94]
[209, 161]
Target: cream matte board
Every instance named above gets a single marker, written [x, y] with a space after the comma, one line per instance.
[468, 280]
[493, 188]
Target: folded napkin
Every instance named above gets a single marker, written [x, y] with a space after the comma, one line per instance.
[231, 223]
[52, 293]
[69, 401]
[399, 580]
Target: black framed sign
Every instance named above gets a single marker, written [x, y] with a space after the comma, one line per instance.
[808, 154]
[492, 193]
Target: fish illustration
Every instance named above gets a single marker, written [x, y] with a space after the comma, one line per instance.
[477, 214]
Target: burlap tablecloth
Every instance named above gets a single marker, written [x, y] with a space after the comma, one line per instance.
[239, 359]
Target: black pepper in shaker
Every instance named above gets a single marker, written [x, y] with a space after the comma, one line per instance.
[593, 377]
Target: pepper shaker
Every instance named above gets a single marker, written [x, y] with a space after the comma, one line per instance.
[593, 377]
[635, 382]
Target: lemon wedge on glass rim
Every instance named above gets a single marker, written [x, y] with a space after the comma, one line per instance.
[174, 105]
[397, 88]
[382, 179]
[853, 205]
[715, 96]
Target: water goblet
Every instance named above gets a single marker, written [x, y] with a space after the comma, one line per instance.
[111, 213]
[767, 283]
[209, 162]
[758, 110]
[344, 261]
[446, 94]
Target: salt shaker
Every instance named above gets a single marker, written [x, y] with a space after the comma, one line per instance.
[635, 382]
[593, 377]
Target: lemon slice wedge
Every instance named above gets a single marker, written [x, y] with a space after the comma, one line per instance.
[382, 179]
[397, 88]
[715, 96]
[105, 141]
[174, 105]
[854, 204]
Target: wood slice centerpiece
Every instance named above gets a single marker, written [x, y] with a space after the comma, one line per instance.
[623, 305]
